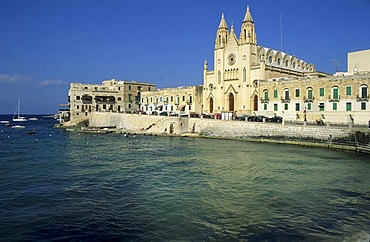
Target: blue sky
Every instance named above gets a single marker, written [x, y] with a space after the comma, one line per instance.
[45, 45]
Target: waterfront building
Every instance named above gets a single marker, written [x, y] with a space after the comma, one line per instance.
[173, 101]
[239, 64]
[111, 96]
[334, 99]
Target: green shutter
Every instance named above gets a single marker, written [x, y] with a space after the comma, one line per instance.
[322, 92]
[275, 93]
[348, 106]
[335, 93]
[335, 107]
[348, 91]
[310, 94]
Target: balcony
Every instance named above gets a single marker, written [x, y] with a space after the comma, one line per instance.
[105, 100]
[363, 98]
[265, 100]
[308, 99]
[334, 99]
[285, 99]
[189, 102]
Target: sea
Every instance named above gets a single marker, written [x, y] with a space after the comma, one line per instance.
[58, 185]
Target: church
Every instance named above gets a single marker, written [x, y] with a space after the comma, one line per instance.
[240, 64]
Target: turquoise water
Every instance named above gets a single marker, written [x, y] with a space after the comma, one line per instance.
[65, 186]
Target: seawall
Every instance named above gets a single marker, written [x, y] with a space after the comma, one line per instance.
[312, 135]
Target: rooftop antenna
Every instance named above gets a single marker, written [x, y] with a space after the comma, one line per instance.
[281, 33]
[336, 64]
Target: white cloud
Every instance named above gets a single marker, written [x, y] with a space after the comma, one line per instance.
[17, 79]
[51, 82]
[14, 79]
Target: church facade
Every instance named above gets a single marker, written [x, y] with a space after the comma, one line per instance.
[239, 65]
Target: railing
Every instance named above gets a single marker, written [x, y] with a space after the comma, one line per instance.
[285, 99]
[334, 99]
[308, 99]
[265, 100]
[362, 98]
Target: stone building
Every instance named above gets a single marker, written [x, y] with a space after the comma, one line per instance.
[239, 63]
[335, 99]
[180, 100]
[111, 96]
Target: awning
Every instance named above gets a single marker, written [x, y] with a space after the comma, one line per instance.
[180, 107]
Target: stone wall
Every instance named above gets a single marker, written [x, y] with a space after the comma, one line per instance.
[313, 135]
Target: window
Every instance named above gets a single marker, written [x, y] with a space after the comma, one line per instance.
[286, 63]
[278, 61]
[309, 93]
[160, 99]
[297, 92]
[148, 88]
[270, 59]
[151, 99]
[266, 95]
[348, 106]
[321, 106]
[275, 93]
[297, 107]
[363, 91]
[190, 99]
[129, 87]
[363, 106]
[286, 94]
[119, 99]
[335, 106]
[265, 106]
[309, 106]
[286, 106]
[171, 98]
[348, 91]
[322, 91]
[78, 98]
[275, 107]
[335, 93]
[183, 98]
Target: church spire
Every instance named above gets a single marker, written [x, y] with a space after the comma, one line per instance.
[247, 34]
[248, 16]
[222, 32]
[223, 24]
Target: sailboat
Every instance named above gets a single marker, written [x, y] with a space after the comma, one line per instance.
[16, 117]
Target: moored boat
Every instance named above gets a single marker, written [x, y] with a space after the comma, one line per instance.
[16, 116]
[18, 127]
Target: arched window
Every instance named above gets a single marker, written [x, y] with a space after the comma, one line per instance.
[244, 74]
[270, 59]
[364, 91]
[293, 65]
[286, 94]
[245, 34]
[287, 63]
[266, 94]
[219, 39]
[335, 93]
[279, 61]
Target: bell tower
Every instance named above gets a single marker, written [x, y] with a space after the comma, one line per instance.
[247, 33]
[222, 31]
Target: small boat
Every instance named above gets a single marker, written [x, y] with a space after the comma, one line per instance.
[31, 132]
[18, 127]
[33, 119]
[16, 117]
[4, 122]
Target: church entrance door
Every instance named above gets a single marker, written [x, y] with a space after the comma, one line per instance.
[231, 102]
[211, 105]
[255, 102]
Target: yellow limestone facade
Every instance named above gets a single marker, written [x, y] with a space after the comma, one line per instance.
[239, 64]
